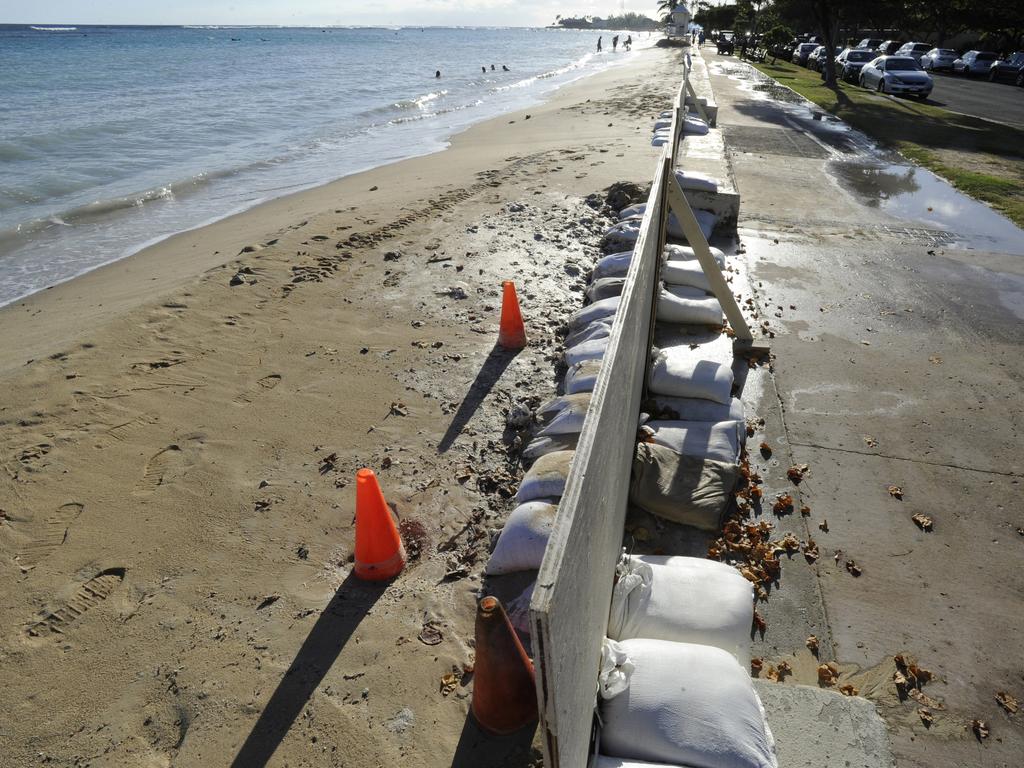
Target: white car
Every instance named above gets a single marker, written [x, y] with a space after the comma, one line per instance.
[938, 58]
[913, 50]
[975, 63]
[897, 75]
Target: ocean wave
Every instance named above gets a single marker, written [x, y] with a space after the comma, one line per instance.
[54, 29]
[436, 113]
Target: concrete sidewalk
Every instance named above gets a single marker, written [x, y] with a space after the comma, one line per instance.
[897, 307]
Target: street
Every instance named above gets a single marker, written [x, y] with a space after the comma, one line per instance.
[978, 97]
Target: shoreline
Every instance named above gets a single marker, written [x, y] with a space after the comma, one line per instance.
[226, 233]
[131, 221]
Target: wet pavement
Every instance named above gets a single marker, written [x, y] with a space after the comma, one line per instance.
[895, 306]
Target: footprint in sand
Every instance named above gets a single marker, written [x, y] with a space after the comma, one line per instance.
[162, 468]
[267, 382]
[125, 430]
[51, 535]
[94, 591]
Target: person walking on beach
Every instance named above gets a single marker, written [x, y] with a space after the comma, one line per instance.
[615, 43]
[629, 42]
[598, 43]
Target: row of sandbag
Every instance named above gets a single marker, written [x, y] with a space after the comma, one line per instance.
[674, 685]
[699, 424]
[693, 125]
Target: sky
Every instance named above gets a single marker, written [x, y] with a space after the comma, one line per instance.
[312, 12]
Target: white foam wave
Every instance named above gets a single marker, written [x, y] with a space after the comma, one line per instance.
[54, 29]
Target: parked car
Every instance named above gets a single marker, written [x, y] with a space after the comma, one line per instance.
[816, 59]
[870, 43]
[897, 75]
[850, 62]
[726, 43]
[974, 63]
[801, 52]
[889, 47]
[1008, 69]
[939, 58]
[913, 50]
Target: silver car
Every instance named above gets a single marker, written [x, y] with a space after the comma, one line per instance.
[975, 63]
[897, 75]
[939, 58]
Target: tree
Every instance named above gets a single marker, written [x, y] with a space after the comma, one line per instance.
[775, 37]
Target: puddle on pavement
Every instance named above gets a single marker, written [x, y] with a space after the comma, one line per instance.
[914, 194]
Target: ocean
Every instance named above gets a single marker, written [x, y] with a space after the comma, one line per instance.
[112, 138]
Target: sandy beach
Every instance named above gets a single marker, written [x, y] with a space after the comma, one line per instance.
[180, 431]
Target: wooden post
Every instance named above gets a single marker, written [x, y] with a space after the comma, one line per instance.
[679, 206]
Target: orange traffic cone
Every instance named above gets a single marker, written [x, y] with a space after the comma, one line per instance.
[379, 551]
[504, 692]
[511, 333]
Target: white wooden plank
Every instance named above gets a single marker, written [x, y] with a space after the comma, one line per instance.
[569, 610]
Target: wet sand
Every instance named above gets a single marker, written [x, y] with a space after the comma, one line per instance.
[179, 434]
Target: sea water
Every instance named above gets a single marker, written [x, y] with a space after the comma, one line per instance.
[115, 137]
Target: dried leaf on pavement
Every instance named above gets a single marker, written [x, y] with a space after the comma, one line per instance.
[1008, 702]
[756, 665]
[896, 492]
[824, 525]
[812, 644]
[828, 674]
[766, 450]
[796, 473]
[924, 699]
[980, 728]
[922, 521]
[926, 717]
[848, 690]
[854, 569]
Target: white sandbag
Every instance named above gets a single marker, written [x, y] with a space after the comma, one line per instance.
[542, 446]
[683, 372]
[706, 220]
[719, 441]
[599, 329]
[660, 140]
[675, 252]
[634, 210]
[581, 377]
[683, 599]
[685, 273]
[693, 409]
[605, 287]
[615, 670]
[599, 310]
[612, 265]
[697, 180]
[666, 113]
[522, 541]
[549, 410]
[623, 235]
[664, 122]
[687, 704]
[694, 126]
[592, 349]
[569, 417]
[686, 305]
[546, 478]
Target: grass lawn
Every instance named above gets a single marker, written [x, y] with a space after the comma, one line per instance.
[981, 158]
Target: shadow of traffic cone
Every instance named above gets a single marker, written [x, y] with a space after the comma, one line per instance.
[380, 553]
[511, 333]
[504, 692]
